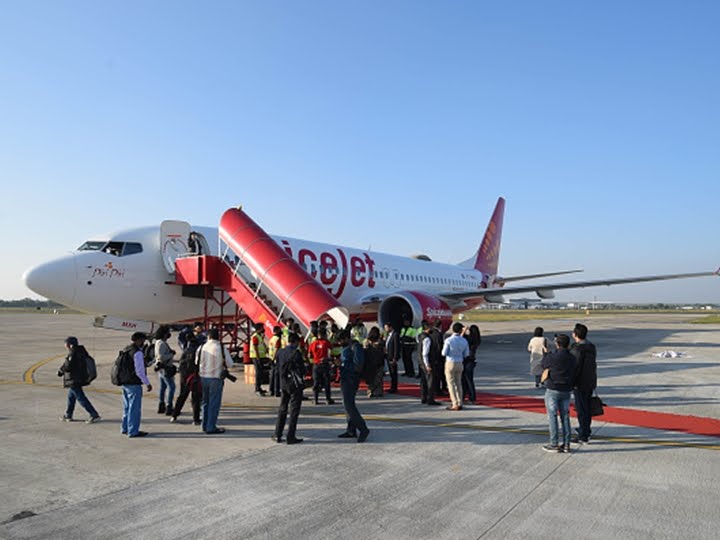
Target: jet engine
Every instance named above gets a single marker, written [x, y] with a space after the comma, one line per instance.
[416, 306]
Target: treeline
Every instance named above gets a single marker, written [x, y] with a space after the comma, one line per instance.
[30, 303]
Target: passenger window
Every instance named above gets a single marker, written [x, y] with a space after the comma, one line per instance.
[131, 248]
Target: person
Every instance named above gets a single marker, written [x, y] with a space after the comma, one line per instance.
[375, 363]
[287, 329]
[189, 382]
[212, 359]
[409, 344]
[585, 355]
[438, 362]
[194, 244]
[559, 382]
[74, 376]
[274, 345]
[184, 337]
[258, 355]
[166, 370]
[392, 350]
[352, 360]
[537, 347]
[473, 338]
[455, 350]
[319, 352]
[199, 332]
[425, 364]
[289, 361]
[132, 387]
[358, 332]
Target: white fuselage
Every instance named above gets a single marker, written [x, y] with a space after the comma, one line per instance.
[138, 286]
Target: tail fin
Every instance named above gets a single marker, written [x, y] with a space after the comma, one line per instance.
[488, 254]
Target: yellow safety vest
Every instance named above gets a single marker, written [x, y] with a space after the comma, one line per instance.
[274, 345]
[261, 350]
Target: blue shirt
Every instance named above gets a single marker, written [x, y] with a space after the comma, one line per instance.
[456, 349]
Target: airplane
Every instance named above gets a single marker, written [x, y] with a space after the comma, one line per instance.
[127, 278]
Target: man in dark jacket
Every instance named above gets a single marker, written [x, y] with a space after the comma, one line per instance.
[559, 382]
[74, 376]
[189, 382]
[393, 352]
[585, 380]
[289, 361]
[352, 362]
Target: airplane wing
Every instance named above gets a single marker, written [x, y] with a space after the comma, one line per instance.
[546, 290]
[536, 276]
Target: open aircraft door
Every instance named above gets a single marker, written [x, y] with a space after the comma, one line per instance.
[173, 242]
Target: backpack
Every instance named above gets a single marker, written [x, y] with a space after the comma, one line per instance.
[123, 370]
[293, 380]
[90, 369]
[149, 353]
[358, 357]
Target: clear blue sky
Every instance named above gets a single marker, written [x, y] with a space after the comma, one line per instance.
[395, 124]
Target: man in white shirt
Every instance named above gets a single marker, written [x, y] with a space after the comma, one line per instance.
[212, 359]
[455, 350]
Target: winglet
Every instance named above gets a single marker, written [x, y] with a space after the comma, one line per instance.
[488, 253]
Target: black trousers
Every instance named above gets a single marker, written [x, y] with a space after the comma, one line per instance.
[393, 370]
[293, 400]
[321, 380]
[468, 380]
[186, 390]
[259, 364]
[274, 380]
[582, 408]
[354, 418]
[427, 384]
[407, 352]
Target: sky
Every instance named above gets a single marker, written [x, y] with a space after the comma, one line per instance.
[387, 124]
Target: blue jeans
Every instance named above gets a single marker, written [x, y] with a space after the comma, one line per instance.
[558, 401]
[355, 420]
[211, 398]
[132, 408]
[76, 393]
[169, 384]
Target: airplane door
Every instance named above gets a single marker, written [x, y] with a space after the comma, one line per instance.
[173, 242]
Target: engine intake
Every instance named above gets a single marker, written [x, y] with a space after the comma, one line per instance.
[416, 306]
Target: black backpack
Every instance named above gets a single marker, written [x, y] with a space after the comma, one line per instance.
[90, 369]
[123, 370]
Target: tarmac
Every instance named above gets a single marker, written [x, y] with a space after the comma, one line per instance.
[652, 469]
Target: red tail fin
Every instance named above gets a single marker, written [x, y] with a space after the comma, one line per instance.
[488, 253]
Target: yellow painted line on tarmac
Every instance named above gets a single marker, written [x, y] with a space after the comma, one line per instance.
[495, 429]
[29, 375]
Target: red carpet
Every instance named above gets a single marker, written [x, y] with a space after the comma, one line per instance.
[695, 425]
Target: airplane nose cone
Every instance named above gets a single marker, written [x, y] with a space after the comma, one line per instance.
[55, 280]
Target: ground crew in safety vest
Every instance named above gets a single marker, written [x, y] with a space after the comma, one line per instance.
[289, 324]
[408, 340]
[274, 345]
[358, 332]
[259, 356]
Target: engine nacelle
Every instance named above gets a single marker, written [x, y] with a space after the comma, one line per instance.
[416, 306]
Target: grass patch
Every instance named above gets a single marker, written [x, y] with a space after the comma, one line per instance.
[532, 314]
[710, 319]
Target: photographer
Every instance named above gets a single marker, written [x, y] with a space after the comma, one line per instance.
[213, 360]
[166, 370]
[74, 378]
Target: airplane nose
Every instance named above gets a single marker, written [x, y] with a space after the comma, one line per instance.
[55, 280]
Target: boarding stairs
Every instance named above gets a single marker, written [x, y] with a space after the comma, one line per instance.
[264, 281]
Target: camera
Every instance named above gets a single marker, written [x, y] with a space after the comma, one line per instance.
[229, 376]
[158, 367]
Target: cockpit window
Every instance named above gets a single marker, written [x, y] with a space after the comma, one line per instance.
[117, 249]
[131, 248]
[91, 245]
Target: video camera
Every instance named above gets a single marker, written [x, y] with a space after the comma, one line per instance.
[227, 375]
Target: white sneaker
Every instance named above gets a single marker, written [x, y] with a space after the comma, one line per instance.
[93, 420]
